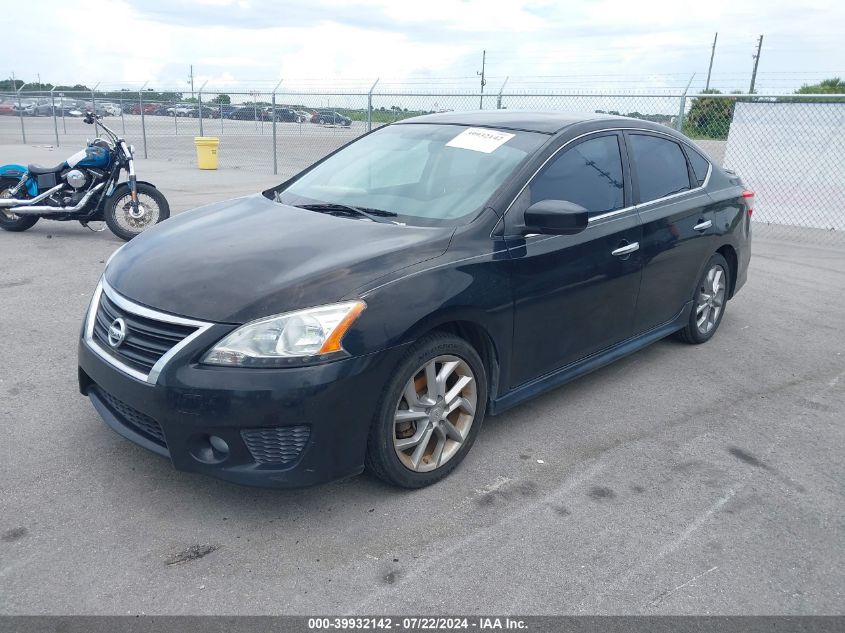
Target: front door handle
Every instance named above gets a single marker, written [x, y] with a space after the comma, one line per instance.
[703, 225]
[626, 250]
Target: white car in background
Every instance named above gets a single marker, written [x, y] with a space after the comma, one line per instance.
[112, 109]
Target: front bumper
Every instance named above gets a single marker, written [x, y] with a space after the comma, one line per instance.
[282, 427]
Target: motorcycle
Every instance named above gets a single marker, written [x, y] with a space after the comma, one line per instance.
[86, 187]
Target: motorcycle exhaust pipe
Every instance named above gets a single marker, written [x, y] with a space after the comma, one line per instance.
[14, 202]
[45, 210]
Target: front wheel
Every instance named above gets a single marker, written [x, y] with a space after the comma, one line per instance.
[12, 221]
[152, 207]
[430, 413]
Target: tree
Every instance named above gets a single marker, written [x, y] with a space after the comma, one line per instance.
[221, 99]
[832, 86]
[709, 117]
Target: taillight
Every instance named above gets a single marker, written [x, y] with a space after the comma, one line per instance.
[749, 199]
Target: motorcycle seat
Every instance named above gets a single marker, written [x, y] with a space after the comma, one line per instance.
[37, 170]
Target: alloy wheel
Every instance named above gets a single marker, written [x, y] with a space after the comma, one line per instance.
[435, 413]
[711, 299]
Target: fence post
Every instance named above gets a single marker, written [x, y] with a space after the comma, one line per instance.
[199, 104]
[55, 122]
[64, 125]
[273, 101]
[143, 124]
[370, 105]
[221, 115]
[683, 106]
[20, 112]
[499, 96]
[94, 108]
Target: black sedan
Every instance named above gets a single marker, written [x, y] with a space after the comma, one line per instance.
[370, 311]
[330, 117]
[245, 113]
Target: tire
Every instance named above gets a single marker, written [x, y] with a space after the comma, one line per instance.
[116, 212]
[441, 450]
[10, 221]
[708, 302]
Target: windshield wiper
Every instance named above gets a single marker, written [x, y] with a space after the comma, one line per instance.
[376, 215]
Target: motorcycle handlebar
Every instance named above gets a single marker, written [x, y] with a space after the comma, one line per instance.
[90, 118]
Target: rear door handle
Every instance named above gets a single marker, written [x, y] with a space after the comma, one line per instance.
[626, 250]
[703, 226]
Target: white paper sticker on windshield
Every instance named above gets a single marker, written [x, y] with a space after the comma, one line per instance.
[480, 139]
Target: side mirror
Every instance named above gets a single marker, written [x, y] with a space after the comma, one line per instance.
[555, 217]
[89, 118]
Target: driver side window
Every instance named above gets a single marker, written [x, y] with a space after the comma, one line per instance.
[589, 174]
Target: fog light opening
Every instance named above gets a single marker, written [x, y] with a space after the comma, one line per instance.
[209, 449]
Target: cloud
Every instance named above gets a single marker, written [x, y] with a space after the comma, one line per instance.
[541, 44]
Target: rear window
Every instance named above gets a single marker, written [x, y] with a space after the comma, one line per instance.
[661, 166]
[700, 165]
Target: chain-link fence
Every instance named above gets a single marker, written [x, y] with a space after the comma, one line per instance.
[790, 150]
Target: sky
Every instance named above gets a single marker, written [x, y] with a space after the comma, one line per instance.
[436, 45]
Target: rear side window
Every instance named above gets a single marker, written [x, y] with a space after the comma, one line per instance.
[700, 165]
[589, 174]
[661, 166]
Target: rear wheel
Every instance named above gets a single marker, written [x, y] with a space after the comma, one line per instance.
[152, 207]
[711, 297]
[430, 413]
[12, 221]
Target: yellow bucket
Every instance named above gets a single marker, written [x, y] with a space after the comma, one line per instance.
[206, 151]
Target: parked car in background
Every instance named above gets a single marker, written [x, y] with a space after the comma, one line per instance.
[97, 107]
[42, 107]
[304, 115]
[246, 113]
[458, 265]
[181, 110]
[208, 112]
[112, 109]
[149, 108]
[7, 108]
[330, 117]
[282, 114]
[25, 107]
[224, 108]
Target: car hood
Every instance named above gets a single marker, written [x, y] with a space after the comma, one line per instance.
[251, 257]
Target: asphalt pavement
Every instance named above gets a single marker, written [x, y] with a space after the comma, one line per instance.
[680, 480]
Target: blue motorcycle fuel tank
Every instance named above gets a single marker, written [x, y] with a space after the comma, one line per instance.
[91, 156]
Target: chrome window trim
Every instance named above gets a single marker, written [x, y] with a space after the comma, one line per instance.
[615, 212]
[142, 311]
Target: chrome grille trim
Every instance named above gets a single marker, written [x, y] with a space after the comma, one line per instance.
[142, 311]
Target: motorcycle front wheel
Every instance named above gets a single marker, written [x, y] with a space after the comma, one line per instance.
[118, 212]
[12, 221]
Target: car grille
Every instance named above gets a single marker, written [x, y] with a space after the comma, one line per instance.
[147, 340]
[132, 418]
[280, 445]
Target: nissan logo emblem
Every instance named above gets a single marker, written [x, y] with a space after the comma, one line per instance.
[117, 332]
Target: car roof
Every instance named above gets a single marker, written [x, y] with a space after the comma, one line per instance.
[529, 120]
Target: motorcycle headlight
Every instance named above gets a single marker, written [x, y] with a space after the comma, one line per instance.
[277, 340]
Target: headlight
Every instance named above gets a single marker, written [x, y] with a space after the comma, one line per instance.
[274, 341]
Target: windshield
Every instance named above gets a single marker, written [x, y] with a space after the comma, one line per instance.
[424, 173]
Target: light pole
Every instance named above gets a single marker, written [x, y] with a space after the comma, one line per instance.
[20, 112]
